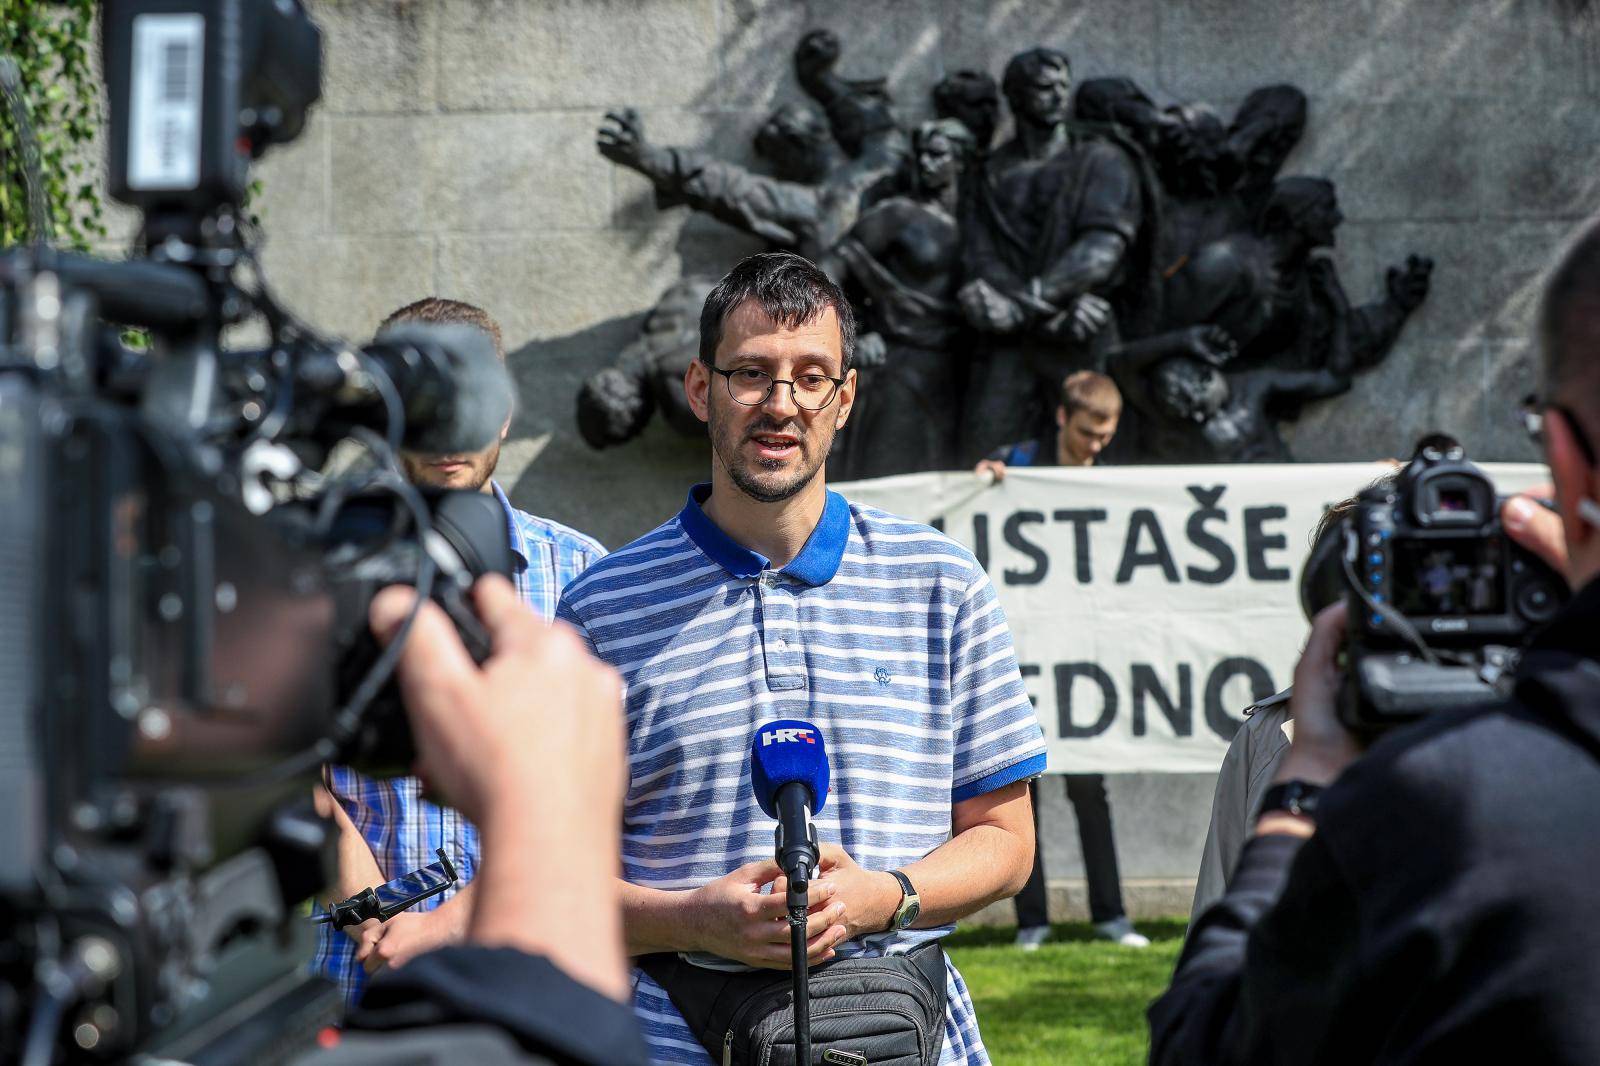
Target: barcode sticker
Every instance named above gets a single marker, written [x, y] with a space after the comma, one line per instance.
[164, 116]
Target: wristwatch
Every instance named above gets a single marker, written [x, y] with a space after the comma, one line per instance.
[1296, 797]
[910, 904]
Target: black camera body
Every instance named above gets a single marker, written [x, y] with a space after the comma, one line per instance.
[1439, 596]
[186, 579]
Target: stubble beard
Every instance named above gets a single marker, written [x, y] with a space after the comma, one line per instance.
[480, 468]
[747, 480]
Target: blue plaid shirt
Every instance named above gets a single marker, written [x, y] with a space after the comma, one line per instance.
[401, 827]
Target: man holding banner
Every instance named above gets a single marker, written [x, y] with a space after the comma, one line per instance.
[1086, 422]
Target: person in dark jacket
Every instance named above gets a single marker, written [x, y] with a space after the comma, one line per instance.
[1438, 903]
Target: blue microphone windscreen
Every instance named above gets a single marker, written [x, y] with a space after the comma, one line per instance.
[785, 751]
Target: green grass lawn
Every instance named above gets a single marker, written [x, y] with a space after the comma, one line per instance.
[1076, 1000]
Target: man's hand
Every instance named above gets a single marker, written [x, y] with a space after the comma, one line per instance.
[542, 777]
[866, 899]
[734, 918]
[1322, 746]
[1537, 528]
[988, 309]
[994, 469]
[621, 140]
[1212, 345]
[1087, 316]
[1408, 286]
[816, 54]
[871, 350]
[407, 935]
[481, 740]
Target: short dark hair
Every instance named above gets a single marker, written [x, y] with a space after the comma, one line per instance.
[1025, 67]
[1569, 325]
[792, 291]
[438, 310]
[1087, 390]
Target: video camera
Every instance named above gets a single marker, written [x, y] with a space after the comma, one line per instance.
[185, 634]
[1440, 598]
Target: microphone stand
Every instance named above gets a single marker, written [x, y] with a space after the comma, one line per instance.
[799, 860]
[802, 977]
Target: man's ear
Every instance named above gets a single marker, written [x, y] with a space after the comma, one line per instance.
[697, 389]
[847, 399]
[505, 430]
[1575, 480]
[1061, 417]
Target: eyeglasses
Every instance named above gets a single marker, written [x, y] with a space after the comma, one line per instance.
[1533, 410]
[751, 387]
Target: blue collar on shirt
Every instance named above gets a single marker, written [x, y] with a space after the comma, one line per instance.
[816, 564]
[518, 544]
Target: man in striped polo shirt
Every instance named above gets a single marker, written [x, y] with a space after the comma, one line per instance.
[768, 597]
[386, 828]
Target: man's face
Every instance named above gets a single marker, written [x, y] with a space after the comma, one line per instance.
[468, 470]
[1042, 99]
[937, 162]
[774, 449]
[1321, 223]
[1085, 434]
[795, 139]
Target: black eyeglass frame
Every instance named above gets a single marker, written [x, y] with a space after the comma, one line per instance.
[772, 383]
[1533, 409]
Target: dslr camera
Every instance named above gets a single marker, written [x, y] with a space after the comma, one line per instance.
[185, 585]
[1440, 597]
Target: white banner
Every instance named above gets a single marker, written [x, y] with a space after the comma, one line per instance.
[1150, 604]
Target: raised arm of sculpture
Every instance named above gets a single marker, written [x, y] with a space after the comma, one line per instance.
[1374, 327]
[779, 211]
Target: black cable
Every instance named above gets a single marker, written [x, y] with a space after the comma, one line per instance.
[1387, 616]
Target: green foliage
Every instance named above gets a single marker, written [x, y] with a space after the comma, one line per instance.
[1076, 999]
[51, 41]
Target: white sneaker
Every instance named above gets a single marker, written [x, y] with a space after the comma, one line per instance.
[1029, 937]
[1120, 931]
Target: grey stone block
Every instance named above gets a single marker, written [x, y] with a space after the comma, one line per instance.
[553, 284]
[1543, 159]
[506, 55]
[503, 174]
[380, 175]
[1371, 49]
[1401, 160]
[380, 55]
[347, 285]
[1513, 373]
[1391, 406]
[1099, 38]
[294, 200]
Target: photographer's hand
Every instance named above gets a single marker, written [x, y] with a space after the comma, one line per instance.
[1322, 746]
[1536, 527]
[530, 746]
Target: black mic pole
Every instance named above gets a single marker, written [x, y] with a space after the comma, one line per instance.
[802, 979]
[797, 854]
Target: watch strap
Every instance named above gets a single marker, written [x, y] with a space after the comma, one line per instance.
[1295, 797]
[906, 888]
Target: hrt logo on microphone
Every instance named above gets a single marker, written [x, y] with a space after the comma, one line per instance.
[788, 736]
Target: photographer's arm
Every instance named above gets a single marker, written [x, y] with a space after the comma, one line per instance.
[545, 961]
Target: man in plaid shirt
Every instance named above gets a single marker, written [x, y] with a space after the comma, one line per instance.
[386, 828]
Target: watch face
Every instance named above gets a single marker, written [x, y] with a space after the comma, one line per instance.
[909, 914]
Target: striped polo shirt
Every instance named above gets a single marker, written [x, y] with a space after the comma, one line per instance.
[884, 633]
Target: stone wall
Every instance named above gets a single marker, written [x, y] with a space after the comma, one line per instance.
[453, 153]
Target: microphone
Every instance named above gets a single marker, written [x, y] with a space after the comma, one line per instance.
[789, 773]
